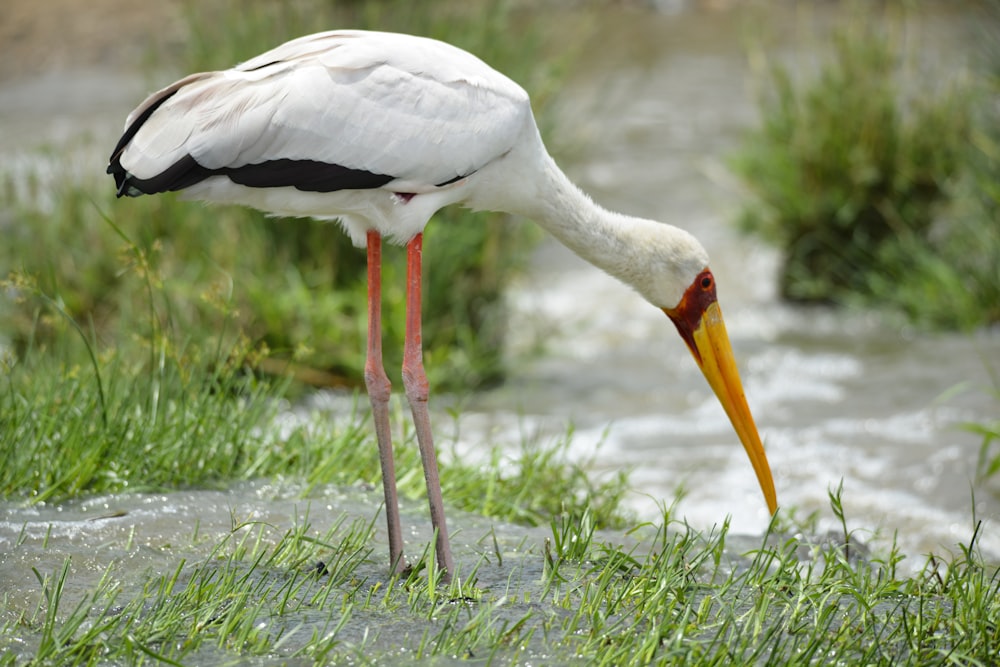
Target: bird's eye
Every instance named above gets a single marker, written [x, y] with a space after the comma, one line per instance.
[706, 281]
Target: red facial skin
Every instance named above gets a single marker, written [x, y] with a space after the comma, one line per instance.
[686, 316]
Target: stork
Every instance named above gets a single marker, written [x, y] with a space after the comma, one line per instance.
[379, 131]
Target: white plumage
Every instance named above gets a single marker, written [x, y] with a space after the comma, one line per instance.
[418, 110]
[380, 131]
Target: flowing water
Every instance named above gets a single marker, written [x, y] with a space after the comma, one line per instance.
[658, 102]
[842, 401]
[838, 397]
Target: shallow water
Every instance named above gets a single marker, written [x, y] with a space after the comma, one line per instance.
[658, 104]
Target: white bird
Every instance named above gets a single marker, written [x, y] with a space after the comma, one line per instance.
[379, 131]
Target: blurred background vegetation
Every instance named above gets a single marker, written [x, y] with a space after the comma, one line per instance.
[878, 176]
[290, 290]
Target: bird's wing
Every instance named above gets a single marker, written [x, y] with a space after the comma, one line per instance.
[411, 109]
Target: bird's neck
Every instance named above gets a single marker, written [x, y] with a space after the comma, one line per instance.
[570, 215]
[657, 260]
[616, 243]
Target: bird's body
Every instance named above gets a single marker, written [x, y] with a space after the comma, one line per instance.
[380, 113]
[380, 131]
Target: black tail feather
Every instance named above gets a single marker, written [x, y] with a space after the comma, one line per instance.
[123, 180]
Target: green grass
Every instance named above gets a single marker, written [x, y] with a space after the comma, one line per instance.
[661, 594]
[113, 425]
[876, 176]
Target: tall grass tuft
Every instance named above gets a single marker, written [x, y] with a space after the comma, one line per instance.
[878, 183]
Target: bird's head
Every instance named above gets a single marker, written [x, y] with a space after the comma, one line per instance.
[669, 268]
[671, 271]
[698, 319]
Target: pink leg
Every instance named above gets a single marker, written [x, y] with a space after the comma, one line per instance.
[415, 384]
[379, 392]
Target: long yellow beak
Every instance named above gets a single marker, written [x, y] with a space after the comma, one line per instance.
[699, 321]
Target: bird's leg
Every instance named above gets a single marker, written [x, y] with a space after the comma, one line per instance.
[379, 392]
[416, 386]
